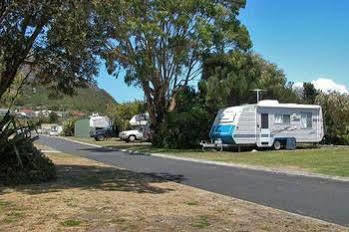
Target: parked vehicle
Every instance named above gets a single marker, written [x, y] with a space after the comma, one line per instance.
[140, 133]
[267, 124]
[100, 134]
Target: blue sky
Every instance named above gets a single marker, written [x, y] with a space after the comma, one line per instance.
[308, 39]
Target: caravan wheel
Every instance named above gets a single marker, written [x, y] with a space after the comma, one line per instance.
[277, 145]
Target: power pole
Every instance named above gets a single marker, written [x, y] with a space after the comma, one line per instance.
[258, 91]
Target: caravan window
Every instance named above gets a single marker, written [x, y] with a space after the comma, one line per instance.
[306, 120]
[286, 119]
[283, 119]
[265, 121]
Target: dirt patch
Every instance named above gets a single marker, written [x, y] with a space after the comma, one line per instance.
[90, 196]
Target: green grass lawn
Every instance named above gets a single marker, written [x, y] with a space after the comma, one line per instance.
[329, 161]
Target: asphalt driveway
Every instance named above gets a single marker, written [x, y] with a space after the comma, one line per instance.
[319, 198]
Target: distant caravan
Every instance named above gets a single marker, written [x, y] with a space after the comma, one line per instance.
[267, 124]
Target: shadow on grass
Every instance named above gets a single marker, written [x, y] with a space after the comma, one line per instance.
[100, 178]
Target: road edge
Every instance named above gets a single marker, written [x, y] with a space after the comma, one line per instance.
[241, 166]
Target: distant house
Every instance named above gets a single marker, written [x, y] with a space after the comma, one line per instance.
[42, 113]
[37, 113]
[51, 129]
[25, 113]
[46, 113]
[60, 114]
[78, 114]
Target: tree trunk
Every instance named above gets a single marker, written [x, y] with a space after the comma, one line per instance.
[6, 79]
[157, 108]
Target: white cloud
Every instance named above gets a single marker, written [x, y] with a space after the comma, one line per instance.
[325, 85]
[298, 85]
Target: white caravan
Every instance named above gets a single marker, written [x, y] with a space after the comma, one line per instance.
[97, 121]
[267, 124]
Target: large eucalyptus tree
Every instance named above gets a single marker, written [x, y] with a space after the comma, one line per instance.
[159, 44]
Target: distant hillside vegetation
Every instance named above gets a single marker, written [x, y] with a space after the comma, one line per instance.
[92, 99]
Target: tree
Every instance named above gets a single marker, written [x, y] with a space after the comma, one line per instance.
[188, 124]
[228, 79]
[51, 42]
[53, 117]
[13, 93]
[309, 93]
[121, 114]
[335, 107]
[54, 43]
[159, 44]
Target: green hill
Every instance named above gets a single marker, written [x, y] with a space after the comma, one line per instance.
[92, 99]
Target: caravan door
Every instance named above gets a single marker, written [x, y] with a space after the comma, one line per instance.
[264, 136]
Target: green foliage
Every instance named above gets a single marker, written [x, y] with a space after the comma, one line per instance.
[20, 161]
[335, 108]
[53, 118]
[69, 127]
[71, 223]
[187, 125]
[121, 114]
[159, 44]
[90, 99]
[309, 93]
[229, 78]
[37, 167]
[52, 42]
[14, 92]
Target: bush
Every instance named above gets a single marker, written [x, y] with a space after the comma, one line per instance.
[20, 161]
[69, 127]
[335, 108]
[36, 168]
[184, 130]
[185, 127]
[122, 113]
[53, 118]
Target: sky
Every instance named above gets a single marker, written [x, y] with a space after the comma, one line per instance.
[308, 39]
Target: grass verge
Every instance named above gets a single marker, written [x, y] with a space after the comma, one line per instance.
[328, 161]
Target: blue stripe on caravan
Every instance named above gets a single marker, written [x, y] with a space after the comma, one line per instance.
[223, 132]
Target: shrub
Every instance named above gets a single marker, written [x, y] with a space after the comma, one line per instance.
[36, 166]
[53, 118]
[20, 161]
[184, 129]
[122, 113]
[335, 108]
[69, 127]
[187, 125]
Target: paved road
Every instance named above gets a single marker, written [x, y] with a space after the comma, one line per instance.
[324, 199]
